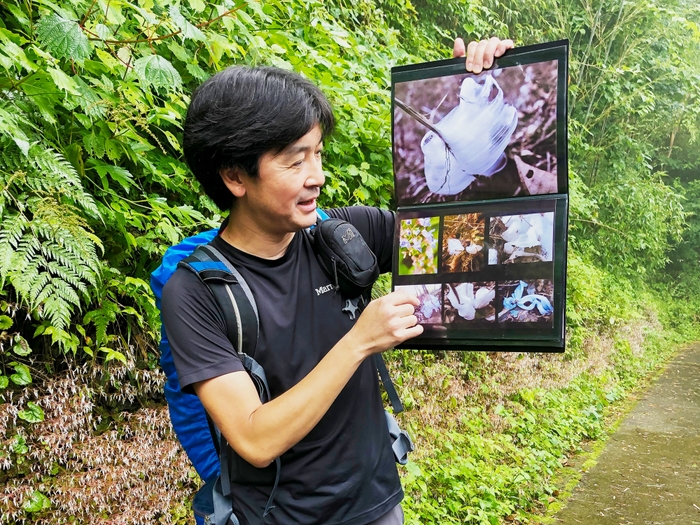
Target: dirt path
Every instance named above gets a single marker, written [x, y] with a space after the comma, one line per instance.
[649, 472]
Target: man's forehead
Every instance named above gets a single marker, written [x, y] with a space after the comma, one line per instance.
[309, 141]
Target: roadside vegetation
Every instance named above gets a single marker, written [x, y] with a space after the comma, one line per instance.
[93, 189]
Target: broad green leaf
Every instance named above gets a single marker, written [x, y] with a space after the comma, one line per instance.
[104, 32]
[117, 173]
[5, 322]
[22, 375]
[36, 502]
[33, 413]
[156, 71]
[187, 30]
[22, 348]
[63, 81]
[113, 354]
[63, 38]
[4, 382]
[197, 5]
[19, 445]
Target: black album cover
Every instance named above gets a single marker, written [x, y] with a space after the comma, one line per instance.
[480, 167]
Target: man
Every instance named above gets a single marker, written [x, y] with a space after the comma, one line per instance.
[253, 139]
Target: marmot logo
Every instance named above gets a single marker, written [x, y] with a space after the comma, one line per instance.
[324, 289]
[348, 236]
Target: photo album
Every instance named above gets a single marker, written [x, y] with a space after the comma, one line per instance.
[481, 185]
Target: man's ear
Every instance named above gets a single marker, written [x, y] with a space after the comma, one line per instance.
[233, 180]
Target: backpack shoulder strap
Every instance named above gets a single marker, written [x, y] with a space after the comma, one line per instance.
[235, 299]
[388, 384]
[232, 294]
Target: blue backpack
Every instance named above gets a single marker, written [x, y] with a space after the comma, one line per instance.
[208, 451]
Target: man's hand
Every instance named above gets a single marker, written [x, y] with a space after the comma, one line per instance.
[480, 55]
[261, 432]
[386, 322]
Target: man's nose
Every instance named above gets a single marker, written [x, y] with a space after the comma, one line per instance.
[316, 176]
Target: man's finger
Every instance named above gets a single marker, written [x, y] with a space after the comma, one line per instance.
[478, 64]
[405, 310]
[471, 50]
[458, 50]
[503, 46]
[490, 51]
[403, 297]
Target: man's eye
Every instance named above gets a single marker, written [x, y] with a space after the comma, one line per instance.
[297, 163]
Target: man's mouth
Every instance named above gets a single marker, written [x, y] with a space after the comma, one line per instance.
[308, 202]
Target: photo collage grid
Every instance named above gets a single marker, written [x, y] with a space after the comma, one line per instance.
[476, 269]
[481, 185]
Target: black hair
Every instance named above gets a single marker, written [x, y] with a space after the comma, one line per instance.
[243, 112]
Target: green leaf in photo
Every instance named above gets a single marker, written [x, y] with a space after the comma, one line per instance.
[4, 382]
[33, 413]
[63, 81]
[117, 174]
[158, 72]
[36, 502]
[63, 37]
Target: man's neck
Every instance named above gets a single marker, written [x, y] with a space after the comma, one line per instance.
[245, 234]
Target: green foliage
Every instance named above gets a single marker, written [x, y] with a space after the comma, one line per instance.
[496, 458]
[93, 188]
[156, 71]
[634, 84]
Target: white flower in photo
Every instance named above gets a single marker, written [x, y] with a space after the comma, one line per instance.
[431, 304]
[473, 248]
[471, 139]
[463, 299]
[454, 246]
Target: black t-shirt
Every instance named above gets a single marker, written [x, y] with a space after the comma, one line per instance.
[343, 471]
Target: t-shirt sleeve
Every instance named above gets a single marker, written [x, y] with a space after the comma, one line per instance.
[376, 227]
[196, 331]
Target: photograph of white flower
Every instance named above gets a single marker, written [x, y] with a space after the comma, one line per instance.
[463, 242]
[430, 309]
[469, 302]
[521, 238]
[418, 239]
[468, 137]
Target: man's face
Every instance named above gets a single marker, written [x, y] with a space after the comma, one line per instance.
[282, 198]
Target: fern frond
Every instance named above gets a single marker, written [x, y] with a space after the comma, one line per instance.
[58, 311]
[58, 176]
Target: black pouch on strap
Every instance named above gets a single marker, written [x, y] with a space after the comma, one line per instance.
[345, 256]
